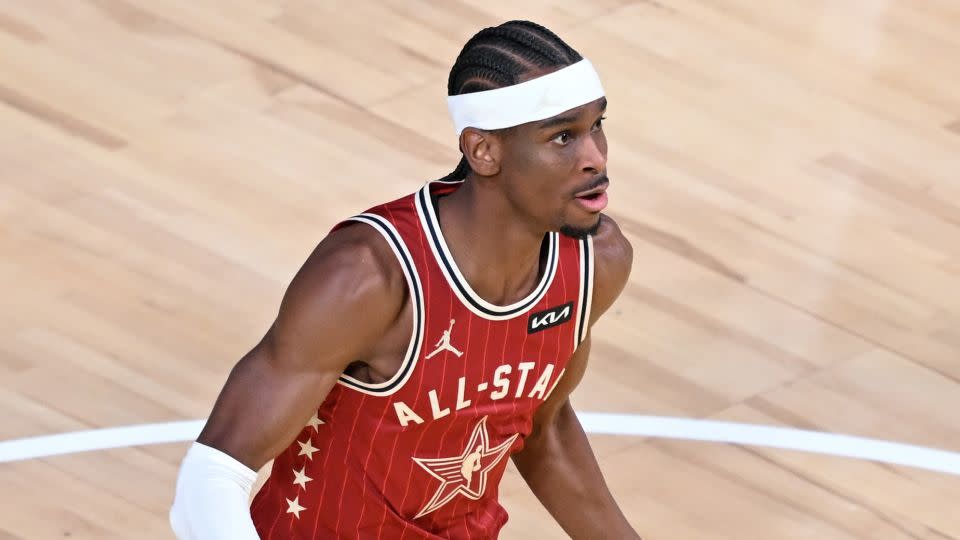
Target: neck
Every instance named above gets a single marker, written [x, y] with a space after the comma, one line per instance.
[497, 251]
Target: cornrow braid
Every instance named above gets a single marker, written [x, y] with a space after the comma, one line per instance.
[498, 56]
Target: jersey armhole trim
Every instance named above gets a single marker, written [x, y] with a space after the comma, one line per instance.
[586, 291]
[390, 386]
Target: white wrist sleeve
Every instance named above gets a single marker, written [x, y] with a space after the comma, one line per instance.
[212, 498]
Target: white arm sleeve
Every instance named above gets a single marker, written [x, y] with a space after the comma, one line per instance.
[212, 497]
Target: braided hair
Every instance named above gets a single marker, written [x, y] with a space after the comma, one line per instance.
[498, 56]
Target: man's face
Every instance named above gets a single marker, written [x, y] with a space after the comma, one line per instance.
[558, 169]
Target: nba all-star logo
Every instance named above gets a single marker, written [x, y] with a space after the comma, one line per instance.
[465, 474]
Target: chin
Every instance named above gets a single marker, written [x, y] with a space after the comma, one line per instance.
[581, 231]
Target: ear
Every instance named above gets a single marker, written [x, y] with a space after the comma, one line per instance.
[483, 151]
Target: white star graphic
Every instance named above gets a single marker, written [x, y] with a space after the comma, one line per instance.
[314, 422]
[465, 474]
[301, 477]
[293, 507]
[307, 449]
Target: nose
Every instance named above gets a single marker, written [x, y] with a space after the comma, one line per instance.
[594, 156]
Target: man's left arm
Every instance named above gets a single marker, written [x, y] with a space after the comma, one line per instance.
[557, 461]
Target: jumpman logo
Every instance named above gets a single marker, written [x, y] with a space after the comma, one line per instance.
[444, 343]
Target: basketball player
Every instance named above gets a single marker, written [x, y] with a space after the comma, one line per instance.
[429, 338]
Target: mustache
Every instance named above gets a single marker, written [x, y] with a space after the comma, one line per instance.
[596, 182]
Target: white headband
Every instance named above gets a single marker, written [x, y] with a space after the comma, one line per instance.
[536, 99]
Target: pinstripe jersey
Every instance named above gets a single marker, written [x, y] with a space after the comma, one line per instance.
[421, 454]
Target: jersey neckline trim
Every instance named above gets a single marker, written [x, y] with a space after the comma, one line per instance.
[460, 286]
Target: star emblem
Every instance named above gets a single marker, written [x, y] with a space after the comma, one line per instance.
[465, 474]
[293, 507]
[314, 422]
[307, 449]
[301, 478]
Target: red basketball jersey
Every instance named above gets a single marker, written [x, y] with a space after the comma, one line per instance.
[421, 455]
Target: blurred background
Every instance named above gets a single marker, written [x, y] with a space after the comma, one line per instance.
[787, 171]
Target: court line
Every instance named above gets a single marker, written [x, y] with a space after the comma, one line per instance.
[600, 423]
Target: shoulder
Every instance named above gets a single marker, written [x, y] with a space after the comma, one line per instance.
[355, 260]
[613, 261]
[351, 281]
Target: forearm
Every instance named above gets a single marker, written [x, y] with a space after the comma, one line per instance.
[562, 471]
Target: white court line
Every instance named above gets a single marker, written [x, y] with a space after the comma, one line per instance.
[599, 423]
[99, 439]
[773, 437]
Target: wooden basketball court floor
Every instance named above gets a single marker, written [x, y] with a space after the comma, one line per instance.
[788, 173]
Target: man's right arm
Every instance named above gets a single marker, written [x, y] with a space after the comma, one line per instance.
[346, 295]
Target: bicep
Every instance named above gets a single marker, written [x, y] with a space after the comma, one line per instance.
[335, 307]
[264, 403]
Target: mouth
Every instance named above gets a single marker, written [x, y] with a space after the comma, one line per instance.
[593, 200]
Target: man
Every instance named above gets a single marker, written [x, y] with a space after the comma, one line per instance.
[508, 261]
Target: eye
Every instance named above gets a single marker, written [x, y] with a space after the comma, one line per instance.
[562, 138]
[599, 125]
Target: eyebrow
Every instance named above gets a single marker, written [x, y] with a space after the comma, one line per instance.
[568, 118]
